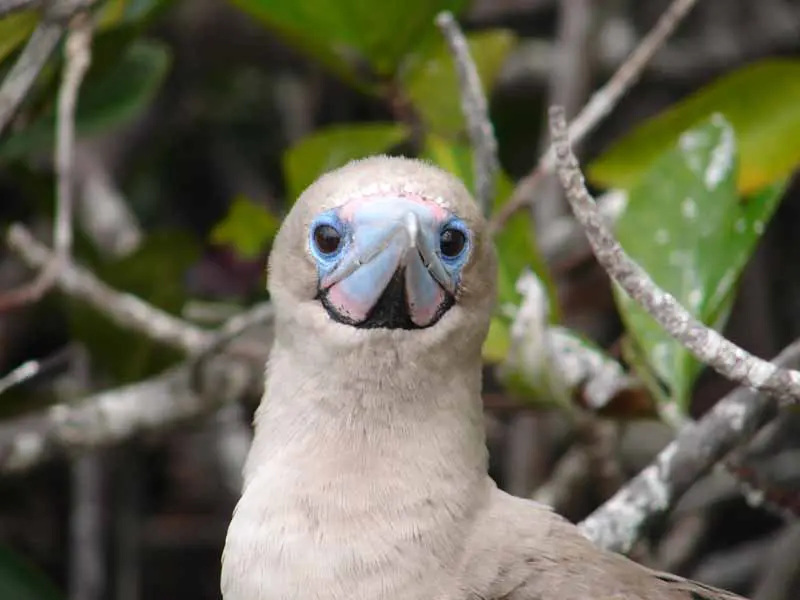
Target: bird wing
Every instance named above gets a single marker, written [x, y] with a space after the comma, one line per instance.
[521, 550]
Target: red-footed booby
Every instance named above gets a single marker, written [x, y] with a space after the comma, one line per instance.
[367, 478]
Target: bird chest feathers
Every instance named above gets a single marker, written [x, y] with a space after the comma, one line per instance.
[346, 520]
[350, 494]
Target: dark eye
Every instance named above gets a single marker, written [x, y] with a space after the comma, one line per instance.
[452, 242]
[327, 239]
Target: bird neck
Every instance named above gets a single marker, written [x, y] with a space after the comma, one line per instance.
[372, 410]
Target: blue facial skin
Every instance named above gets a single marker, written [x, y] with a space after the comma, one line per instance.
[377, 240]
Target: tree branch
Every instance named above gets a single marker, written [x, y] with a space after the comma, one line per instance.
[704, 343]
[617, 524]
[78, 58]
[8, 7]
[602, 102]
[20, 78]
[114, 416]
[476, 112]
[124, 309]
[40, 46]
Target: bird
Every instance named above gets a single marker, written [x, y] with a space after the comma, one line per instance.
[367, 478]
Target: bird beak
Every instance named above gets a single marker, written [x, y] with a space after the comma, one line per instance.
[391, 274]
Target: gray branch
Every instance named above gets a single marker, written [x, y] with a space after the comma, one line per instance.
[618, 523]
[704, 343]
[124, 309]
[602, 102]
[114, 416]
[40, 46]
[78, 58]
[476, 112]
[20, 79]
[11, 6]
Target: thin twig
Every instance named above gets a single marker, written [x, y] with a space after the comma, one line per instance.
[20, 78]
[8, 7]
[34, 368]
[602, 102]
[124, 309]
[476, 112]
[704, 343]
[569, 84]
[24, 372]
[78, 58]
[606, 98]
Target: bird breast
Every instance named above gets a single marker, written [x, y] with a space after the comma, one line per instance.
[344, 526]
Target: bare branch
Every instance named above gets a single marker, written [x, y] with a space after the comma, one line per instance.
[601, 103]
[607, 97]
[124, 309]
[569, 82]
[25, 371]
[20, 78]
[618, 523]
[33, 57]
[476, 112]
[704, 343]
[197, 388]
[78, 58]
[8, 7]
[151, 406]
[117, 415]
[564, 241]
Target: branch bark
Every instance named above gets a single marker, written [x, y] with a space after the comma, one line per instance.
[11, 6]
[38, 49]
[476, 112]
[111, 417]
[704, 343]
[618, 523]
[78, 58]
[124, 309]
[602, 102]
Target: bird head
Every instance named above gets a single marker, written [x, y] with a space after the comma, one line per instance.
[387, 246]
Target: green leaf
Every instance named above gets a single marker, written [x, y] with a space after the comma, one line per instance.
[15, 29]
[156, 273]
[498, 341]
[109, 100]
[353, 36]
[334, 147]
[22, 581]
[431, 83]
[248, 227]
[761, 101]
[686, 225]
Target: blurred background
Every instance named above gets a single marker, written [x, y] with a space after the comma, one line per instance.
[199, 123]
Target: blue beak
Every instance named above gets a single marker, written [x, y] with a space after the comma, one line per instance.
[389, 271]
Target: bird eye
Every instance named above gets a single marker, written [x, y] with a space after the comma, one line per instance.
[327, 239]
[452, 242]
